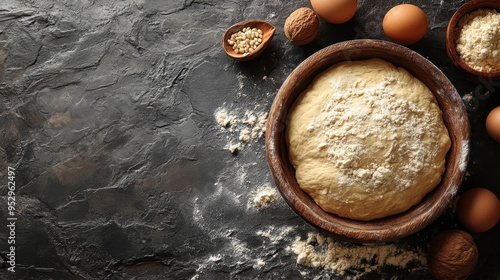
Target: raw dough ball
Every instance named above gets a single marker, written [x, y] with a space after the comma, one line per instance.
[367, 140]
[452, 255]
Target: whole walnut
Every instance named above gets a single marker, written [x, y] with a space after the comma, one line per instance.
[452, 255]
[302, 26]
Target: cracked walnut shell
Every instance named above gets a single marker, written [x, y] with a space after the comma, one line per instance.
[302, 26]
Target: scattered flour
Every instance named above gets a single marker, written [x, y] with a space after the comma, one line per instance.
[233, 147]
[242, 129]
[236, 188]
[235, 252]
[259, 264]
[265, 195]
[276, 234]
[325, 253]
[245, 135]
[224, 119]
[332, 258]
[215, 258]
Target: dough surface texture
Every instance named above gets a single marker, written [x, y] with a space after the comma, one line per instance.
[367, 140]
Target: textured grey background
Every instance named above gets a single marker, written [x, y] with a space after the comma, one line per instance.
[107, 114]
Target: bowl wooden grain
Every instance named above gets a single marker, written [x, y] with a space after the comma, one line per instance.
[268, 31]
[389, 228]
[452, 34]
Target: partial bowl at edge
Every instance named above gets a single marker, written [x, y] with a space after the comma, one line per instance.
[451, 46]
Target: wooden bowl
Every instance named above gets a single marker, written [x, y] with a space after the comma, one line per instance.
[268, 31]
[389, 228]
[452, 34]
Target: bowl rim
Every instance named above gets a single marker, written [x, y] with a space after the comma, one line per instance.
[343, 228]
[451, 46]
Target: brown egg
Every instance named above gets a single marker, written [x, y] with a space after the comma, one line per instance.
[478, 209]
[405, 24]
[493, 124]
[335, 11]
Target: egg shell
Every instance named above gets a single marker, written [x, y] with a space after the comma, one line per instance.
[493, 124]
[335, 11]
[405, 24]
[478, 209]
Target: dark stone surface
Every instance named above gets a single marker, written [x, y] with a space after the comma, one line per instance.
[107, 115]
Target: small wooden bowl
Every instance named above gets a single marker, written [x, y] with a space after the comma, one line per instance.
[452, 34]
[268, 31]
[389, 228]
